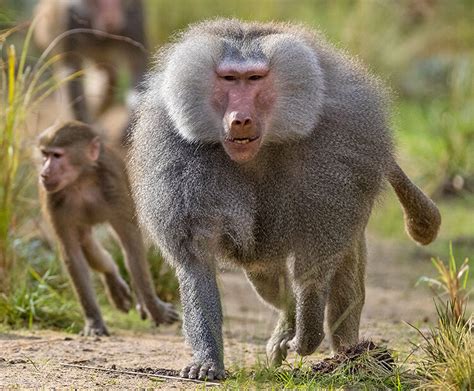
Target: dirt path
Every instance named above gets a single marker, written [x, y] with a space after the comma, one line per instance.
[33, 359]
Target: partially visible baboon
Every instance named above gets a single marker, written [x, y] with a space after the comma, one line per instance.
[120, 18]
[262, 145]
[83, 183]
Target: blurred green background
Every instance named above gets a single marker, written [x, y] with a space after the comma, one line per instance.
[422, 49]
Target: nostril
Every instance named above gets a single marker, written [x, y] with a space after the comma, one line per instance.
[247, 122]
[236, 122]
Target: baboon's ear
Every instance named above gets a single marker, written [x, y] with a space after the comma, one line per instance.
[93, 150]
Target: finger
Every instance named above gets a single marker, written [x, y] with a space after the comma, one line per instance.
[185, 371]
[206, 373]
[193, 372]
[220, 374]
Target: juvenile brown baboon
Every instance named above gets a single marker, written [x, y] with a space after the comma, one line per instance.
[83, 183]
[262, 145]
[120, 18]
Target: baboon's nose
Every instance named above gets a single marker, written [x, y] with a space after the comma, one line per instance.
[241, 124]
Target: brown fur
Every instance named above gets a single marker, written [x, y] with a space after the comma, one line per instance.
[422, 217]
[98, 193]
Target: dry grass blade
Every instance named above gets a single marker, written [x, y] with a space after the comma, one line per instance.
[165, 377]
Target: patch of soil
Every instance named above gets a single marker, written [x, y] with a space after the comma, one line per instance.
[377, 354]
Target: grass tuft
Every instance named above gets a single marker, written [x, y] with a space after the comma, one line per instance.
[42, 296]
[448, 361]
[364, 365]
[449, 353]
[452, 281]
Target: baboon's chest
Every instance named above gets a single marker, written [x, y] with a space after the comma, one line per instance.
[89, 205]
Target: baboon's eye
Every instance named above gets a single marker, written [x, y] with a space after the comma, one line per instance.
[229, 78]
[57, 155]
[255, 77]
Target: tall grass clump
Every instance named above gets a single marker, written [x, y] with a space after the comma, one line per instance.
[32, 288]
[448, 348]
[448, 362]
[23, 87]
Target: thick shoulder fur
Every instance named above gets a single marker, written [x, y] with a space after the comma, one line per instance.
[183, 191]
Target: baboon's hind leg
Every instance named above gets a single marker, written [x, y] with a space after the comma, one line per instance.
[346, 298]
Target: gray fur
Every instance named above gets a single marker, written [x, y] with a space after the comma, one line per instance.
[294, 216]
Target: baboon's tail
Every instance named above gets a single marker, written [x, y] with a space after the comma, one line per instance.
[422, 217]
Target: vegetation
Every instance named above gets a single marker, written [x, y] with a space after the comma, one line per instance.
[20, 88]
[364, 370]
[448, 361]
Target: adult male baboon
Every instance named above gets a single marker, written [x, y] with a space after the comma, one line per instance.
[111, 33]
[262, 145]
[83, 183]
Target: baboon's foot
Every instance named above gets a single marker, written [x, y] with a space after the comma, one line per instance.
[94, 328]
[277, 346]
[118, 292]
[161, 312]
[204, 370]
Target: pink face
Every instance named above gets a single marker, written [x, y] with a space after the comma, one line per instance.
[108, 15]
[244, 94]
[57, 172]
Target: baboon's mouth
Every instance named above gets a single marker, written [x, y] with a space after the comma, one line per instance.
[242, 149]
[241, 140]
[50, 186]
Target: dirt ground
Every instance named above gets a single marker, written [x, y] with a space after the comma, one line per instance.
[35, 359]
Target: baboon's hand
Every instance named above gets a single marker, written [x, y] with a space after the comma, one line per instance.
[161, 312]
[277, 347]
[204, 370]
[305, 345]
[94, 328]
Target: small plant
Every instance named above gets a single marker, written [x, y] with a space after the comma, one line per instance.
[452, 281]
[449, 353]
[448, 361]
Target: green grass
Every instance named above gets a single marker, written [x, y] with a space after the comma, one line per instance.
[448, 361]
[362, 372]
[43, 297]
